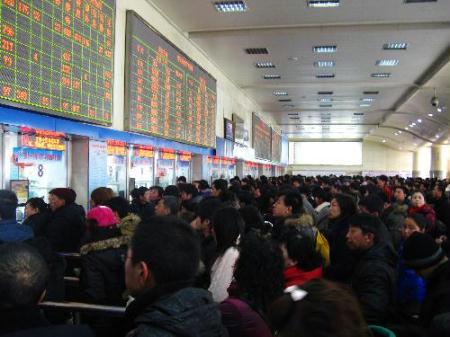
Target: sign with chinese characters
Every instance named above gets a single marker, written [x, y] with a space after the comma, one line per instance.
[116, 148]
[42, 139]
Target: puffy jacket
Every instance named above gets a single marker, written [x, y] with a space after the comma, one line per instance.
[374, 282]
[66, 228]
[11, 231]
[129, 224]
[38, 222]
[428, 212]
[188, 312]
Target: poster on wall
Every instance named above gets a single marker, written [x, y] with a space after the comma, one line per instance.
[21, 188]
[98, 163]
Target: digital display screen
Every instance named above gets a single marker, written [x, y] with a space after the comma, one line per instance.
[276, 146]
[166, 93]
[261, 138]
[228, 129]
[57, 57]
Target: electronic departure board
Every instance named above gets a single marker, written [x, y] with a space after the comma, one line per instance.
[167, 94]
[56, 57]
[276, 146]
[261, 138]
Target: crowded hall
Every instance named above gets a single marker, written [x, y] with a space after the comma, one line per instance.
[235, 168]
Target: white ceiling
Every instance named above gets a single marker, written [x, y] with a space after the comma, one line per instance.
[359, 28]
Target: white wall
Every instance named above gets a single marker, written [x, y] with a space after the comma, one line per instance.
[229, 97]
[376, 159]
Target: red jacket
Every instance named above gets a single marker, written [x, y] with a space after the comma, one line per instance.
[430, 215]
[294, 276]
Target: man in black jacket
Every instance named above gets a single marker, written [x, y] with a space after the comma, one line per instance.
[373, 279]
[160, 266]
[441, 205]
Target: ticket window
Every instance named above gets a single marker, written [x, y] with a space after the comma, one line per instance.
[214, 168]
[229, 168]
[141, 165]
[117, 167]
[38, 159]
[165, 169]
[184, 165]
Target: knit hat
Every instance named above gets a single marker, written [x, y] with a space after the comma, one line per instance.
[421, 251]
[104, 216]
[67, 194]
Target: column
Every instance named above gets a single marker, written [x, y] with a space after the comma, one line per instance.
[437, 163]
[416, 167]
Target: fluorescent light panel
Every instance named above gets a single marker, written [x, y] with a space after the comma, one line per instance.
[324, 49]
[230, 6]
[280, 93]
[271, 77]
[395, 46]
[325, 76]
[364, 105]
[267, 64]
[324, 64]
[367, 99]
[387, 63]
[381, 75]
[323, 3]
[326, 99]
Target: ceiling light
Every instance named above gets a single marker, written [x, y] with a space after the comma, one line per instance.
[324, 93]
[406, 128]
[399, 131]
[324, 64]
[387, 62]
[413, 124]
[271, 77]
[256, 51]
[419, 120]
[395, 134]
[439, 109]
[280, 93]
[288, 105]
[324, 49]
[437, 136]
[326, 99]
[325, 76]
[430, 115]
[383, 141]
[267, 64]
[364, 105]
[323, 3]
[395, 46]
[371, 92]
[293, 58]
[380, 75]
[230, 6]
[367, 99]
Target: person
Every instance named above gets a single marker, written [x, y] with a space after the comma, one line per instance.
[154, 194]
[400, 196]
[418, 205]
[160, 266]
[181, 180]
[167, 205]
[374, 278]
[219, 186]
[171, 190]
[142, 204]
[101, 195]
[322, 199]
[341, 260]
[318, 308]
[302, 262]
[67, 224]
[227, 228]
[394, 215]
[127, 221]
[188, 193]
[10, 229]
[382, 184]
[441, 205]
[427, 258]
[258, 281]
[203, 189]
[23, 280]
[37, 215]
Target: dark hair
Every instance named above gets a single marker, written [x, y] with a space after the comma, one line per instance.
[373, 203]
[101, 195]
[37, 203]
[119, 205]
[294, 200]
[302, 249]
[141, 191]
[159, 189]
[403, 188]
[172, 190]
[207, 207]
[259, 271]
[181, 179]
[8, 204]
[220, 184]
[252, 218]
[419, 219]
[23, 275]
[171, 203]
[228, 225]
[368, 224]
[324, 194]
[440, 187]
[346, 204]
[169, 247]
[328, 309]
[203, 185]
[188, 189]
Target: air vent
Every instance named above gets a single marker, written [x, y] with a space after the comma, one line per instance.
[271, 77]
[417, 1]
[280, 93]
[293, 114]
[285, 100]
[381, 75]
[358, 114]
[395, 46]
[230, 6]
[325, 76]
[267, 64]
[288, 105]
[323, 3]
[371, 92]
[296, 118]
[325, 105]
[325, 93]
[324, 49]
[256, 51]
[324, 64]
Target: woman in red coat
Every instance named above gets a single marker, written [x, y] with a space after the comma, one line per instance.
[418, 205]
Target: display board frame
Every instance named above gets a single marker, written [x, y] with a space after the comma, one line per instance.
[257, 125]
[59, 112]
[130, 15]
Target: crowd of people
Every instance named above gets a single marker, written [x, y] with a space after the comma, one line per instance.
[281, 256]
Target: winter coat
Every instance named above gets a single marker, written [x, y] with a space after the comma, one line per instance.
[66, 228]
[430, 215]
[129, 224]
[11, 231]
[222, 274]
[437, 298]
[241, 320]
[341, 259]
[102, 268]
[38, 222]
[374, 282]
[394, 217]
[442, 209]
[187, 312]
[294, 276]
[322, 212]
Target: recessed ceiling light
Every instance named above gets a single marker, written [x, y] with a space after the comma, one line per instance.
[293, 58]
[364, 105]
[280, 93]
[371, 92]
[271, 77]
[324, 49]
[437, 136]
[325, 93]
[230, 6]
[256, 51]
[367, 99]
[325, 76]
[325, 99]
[419, 120]
[383, 141]
[323, 3]
[395, 134]
[430, 115]
[380, 75]
[395, 46]
[324, 64]
[406, 128]
[266, 64]
[439, 109]
[399, 131]
[387, 63]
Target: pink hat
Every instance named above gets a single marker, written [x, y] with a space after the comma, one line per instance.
[104, 216]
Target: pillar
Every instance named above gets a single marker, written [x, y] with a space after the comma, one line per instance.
[416, 164]
[437, 162]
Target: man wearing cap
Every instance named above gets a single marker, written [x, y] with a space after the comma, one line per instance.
[373, 278]
[422, 254]
[67, 225]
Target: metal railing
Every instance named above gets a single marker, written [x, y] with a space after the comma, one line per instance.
[84, 307]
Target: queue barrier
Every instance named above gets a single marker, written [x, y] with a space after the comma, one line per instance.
[84, 307]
